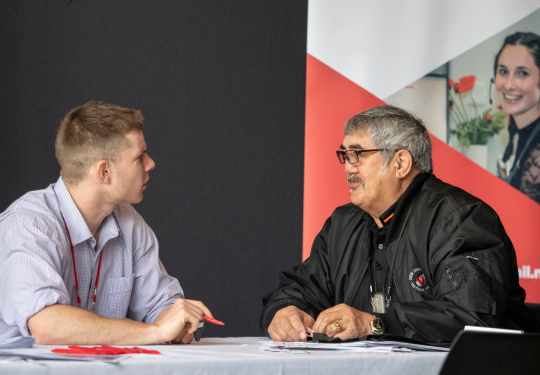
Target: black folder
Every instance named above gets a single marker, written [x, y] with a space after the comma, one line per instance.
[478, 353]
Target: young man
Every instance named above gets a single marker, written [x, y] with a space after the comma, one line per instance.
[76, 259]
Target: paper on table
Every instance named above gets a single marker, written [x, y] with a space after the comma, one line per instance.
[10, 360]
[45, 354]
[17, 342]
[349, 347]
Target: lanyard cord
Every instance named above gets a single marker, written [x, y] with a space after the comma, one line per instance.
[388, 297]
[385, 274]
[75, 271]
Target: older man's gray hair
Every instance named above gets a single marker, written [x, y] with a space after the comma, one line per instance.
[392, 128]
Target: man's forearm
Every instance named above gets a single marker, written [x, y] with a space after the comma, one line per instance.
[63, 325]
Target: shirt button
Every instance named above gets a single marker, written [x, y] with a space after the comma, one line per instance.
[381, 246]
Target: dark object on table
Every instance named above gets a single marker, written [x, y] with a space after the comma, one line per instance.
[198, 332]
[535, 308]
[493, 353]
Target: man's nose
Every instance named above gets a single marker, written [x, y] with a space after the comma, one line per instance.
[351, 168]
[151, 164]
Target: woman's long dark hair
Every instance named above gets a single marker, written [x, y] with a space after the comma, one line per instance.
[532, 42]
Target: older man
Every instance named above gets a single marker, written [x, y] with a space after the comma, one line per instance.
[76, 259]
[410, 256]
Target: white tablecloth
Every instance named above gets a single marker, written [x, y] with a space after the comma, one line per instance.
[237, 355]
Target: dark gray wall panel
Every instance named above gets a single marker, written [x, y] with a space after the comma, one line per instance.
[221, 85]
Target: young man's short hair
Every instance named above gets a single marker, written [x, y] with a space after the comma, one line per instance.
[93, 132]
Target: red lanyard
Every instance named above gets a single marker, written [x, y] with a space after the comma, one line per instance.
[75, 271]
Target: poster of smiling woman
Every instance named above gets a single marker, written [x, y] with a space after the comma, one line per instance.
[492, 104]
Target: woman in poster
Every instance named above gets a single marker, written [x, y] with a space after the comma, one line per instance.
[517, 79]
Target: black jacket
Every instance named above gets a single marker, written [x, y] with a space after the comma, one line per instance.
[457, 241]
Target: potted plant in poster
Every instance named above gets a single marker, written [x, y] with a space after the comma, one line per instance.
[472, 133]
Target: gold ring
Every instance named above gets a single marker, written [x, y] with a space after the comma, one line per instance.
[336, 326]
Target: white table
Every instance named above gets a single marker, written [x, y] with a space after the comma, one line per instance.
[238, 355]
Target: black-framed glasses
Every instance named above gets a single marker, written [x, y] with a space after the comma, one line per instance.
[352, 155]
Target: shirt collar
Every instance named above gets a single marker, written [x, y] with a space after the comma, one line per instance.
[387, 216]
[527, 130]
[109, 229]
[78, 229]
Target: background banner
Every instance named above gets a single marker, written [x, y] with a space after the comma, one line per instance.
[363, 54]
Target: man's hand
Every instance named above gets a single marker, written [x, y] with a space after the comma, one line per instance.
[354, 323]
[290, 324]
[179, 321]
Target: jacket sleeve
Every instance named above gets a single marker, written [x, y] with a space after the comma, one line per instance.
[306, 286]
[474, 278]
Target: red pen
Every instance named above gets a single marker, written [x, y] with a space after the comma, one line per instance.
[213, 321]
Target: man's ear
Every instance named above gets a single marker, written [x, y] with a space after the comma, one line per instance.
[103, 169]
[403, 163]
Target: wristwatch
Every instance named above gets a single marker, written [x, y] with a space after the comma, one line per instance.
[376, 326]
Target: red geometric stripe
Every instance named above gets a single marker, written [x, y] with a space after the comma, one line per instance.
[331, 99]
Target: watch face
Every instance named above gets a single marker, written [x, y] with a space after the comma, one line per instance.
[377, 325]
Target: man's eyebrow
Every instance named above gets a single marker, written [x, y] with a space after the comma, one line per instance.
[354, 146]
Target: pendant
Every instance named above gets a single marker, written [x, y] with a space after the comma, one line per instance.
[378, 303]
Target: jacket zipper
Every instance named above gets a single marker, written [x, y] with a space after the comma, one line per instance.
[450, 276]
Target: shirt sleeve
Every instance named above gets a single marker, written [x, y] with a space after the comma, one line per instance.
[153, 289]
[30, 269]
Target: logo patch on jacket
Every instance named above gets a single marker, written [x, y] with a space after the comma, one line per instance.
[417, 279]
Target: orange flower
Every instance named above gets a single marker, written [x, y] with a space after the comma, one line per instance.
[466, 84]
[450, 83]
[489, 118]
[456, 87]
[499, 106]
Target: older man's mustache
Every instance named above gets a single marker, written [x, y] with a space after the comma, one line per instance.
[354, 178]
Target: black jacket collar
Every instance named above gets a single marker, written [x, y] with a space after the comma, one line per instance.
[394, 217]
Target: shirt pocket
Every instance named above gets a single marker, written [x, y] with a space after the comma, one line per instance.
[117, 295]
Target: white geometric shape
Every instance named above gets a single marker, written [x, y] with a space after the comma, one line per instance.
[426, 98]
[385, 45]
